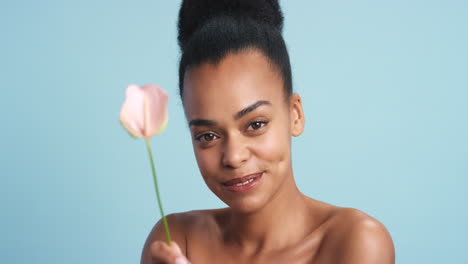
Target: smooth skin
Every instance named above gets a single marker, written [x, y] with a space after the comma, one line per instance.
[242, 121]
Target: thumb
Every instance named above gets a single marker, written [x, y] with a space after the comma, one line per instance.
[175, 247]
[180, 259]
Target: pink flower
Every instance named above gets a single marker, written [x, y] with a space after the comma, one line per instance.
[144, 112]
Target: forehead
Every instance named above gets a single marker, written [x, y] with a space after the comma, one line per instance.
[237, 81]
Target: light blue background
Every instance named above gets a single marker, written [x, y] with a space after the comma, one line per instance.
[384, 86]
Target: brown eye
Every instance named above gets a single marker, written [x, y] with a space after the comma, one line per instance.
[207, 137]
[256, 125]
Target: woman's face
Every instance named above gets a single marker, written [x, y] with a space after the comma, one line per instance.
[241, 127]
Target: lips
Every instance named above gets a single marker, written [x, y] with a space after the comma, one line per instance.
[243, 184]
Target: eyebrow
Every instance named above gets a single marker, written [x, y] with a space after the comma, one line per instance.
[250, 108]
[238, 115]
[202, 122]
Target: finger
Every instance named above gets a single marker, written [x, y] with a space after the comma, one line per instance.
[161, 252]
[181, 260]
[174, 246]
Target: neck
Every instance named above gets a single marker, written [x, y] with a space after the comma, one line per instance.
[282, 222]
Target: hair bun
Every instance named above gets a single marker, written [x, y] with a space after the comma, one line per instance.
[194, 13]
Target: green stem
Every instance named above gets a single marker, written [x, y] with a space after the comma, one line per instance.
[166, 226]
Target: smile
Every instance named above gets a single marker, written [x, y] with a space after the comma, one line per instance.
[243, 184]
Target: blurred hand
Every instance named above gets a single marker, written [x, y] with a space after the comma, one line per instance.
[162, 253]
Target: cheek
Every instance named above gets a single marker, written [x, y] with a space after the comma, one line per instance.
[273, 147]
[207, 161]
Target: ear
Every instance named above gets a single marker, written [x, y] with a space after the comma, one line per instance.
[296, 115]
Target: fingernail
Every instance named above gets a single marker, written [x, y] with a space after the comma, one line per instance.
[180, 260]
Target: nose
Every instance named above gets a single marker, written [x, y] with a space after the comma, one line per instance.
[235, 152]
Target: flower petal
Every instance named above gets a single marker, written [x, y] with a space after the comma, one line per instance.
[131, 115]
[156, 109]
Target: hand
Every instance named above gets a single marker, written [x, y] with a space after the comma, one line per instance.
[162, 253]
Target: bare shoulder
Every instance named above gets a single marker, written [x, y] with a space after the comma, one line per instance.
[356, 237]
[180, 225]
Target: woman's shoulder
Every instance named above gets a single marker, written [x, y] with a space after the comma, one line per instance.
[345, 220]
[358, 237]
[196, 218]
[348, 220]
[182, 224]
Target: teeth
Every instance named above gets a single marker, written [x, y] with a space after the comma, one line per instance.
[244, 183]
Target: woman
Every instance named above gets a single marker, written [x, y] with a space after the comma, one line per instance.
[236, 89]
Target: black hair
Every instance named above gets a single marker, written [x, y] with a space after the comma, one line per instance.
[211, 29]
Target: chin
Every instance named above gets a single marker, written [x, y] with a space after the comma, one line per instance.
[244, 205]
